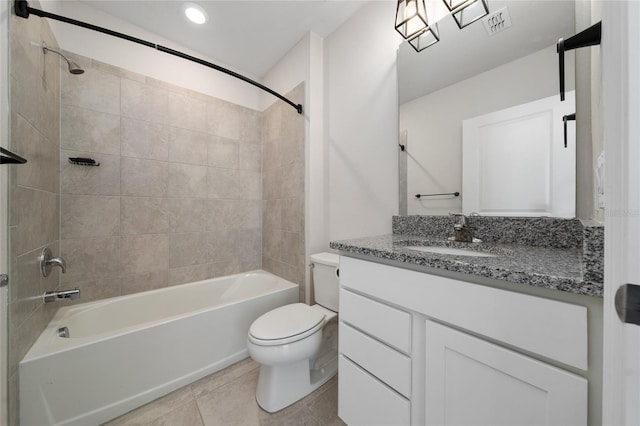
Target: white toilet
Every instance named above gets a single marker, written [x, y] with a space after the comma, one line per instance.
[297, 344]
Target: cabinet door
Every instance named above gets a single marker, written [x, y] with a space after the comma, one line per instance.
[470, 381]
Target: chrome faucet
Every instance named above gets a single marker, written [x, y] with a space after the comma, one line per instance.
[463, 231]
[52, 296]
[47, 261]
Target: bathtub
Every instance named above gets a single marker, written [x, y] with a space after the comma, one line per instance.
[126, 351]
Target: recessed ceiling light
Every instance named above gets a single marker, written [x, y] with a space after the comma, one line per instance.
[195, 13]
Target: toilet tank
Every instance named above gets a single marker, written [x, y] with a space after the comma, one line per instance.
[325, 279]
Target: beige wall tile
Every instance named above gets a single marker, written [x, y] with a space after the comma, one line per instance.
[249, 184]
[186, 146]
[85, 216]
[293, 215]
[223, 152]
[271, 156]
[144, 282]
[96, 90]
[147, 178]
[41, 169]
[99, 289]
[144, 102]
[188, 249]
[271, 265]
[292, 248]
[272, 122]
[272, 214]
[292, 180]
[90, 131]
[187, 181]
[90, 180]
[144, 253]
[271, 243]
[37, 219]
[141, 139]
[89, 259]
[223, 245]
[223, 119]
[223, 214]
[187, 112]
[188, 214]
[272, 184]
[250, 245]
[251, 128]
[223, 183]
[26, 285]
[250, 156]
[188, 274]
[144, 215]
[249, 214]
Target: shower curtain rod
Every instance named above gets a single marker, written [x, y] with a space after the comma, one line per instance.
[23, 10]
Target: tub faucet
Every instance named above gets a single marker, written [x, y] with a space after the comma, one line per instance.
[462, 229]
[52, 296]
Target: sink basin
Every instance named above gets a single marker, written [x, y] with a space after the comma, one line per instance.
[451, 250]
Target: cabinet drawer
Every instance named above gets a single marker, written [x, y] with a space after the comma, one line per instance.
[363, 400]
[387, 364]
[388, 324]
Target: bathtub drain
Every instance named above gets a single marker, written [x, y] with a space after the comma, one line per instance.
[63, 332]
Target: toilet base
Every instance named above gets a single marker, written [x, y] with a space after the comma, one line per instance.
[281, 385]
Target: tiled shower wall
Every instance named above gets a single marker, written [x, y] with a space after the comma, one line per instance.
[283, 136]
[178, 193]
[34, 196]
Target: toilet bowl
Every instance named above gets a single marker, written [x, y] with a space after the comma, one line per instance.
[297, 344]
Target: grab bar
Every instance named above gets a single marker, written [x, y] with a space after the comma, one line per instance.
[9, 157]
[455, 194]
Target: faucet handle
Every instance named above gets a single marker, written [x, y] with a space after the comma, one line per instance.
[47, 261]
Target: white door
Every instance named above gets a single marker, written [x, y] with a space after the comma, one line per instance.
[470, 381]
[514, 162]
[621, 110]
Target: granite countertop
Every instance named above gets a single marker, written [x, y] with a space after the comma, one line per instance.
[558, 268]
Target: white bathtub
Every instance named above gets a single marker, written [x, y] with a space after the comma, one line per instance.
[126, 351]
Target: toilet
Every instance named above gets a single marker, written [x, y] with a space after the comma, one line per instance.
[296, 345]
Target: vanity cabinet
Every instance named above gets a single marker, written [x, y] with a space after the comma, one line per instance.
[417, 348]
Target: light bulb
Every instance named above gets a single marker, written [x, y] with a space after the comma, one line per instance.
[195, 13]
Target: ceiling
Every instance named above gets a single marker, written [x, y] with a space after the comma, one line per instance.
[461, 54]
[248, 35]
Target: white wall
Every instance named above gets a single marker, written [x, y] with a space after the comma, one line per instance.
[361, 122]
[434, 123]
[142, 59]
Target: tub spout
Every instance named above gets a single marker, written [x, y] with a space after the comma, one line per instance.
[52, 296]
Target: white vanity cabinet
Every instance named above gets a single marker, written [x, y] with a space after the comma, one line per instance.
[417, 348]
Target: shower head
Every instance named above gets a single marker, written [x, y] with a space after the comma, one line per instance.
[74, 68]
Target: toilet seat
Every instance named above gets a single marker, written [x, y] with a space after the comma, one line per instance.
[286, 324]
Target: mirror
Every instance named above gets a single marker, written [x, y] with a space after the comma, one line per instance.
[470, 73]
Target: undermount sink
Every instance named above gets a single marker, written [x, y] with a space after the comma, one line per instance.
[451, 250]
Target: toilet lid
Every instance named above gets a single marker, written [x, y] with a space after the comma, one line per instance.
[287, 321]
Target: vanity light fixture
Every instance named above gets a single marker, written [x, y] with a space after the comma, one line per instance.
[417, 20]
[195, 13]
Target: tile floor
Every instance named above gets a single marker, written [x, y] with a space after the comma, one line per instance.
[228, 398]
